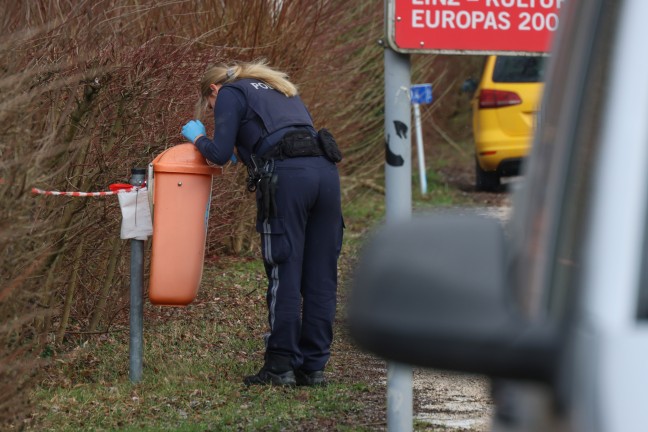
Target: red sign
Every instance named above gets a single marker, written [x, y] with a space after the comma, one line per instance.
[472, 26]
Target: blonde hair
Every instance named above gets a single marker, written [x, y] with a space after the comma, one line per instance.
[223, 74]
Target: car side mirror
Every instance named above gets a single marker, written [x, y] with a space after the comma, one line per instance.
[433, 292]
[469, 86]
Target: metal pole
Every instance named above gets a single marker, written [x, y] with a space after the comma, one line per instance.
[398, 206]
[138, 176]
[398, 141]
[419, 148]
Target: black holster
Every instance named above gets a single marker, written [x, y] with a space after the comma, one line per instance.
[268, 192]
[262, 178]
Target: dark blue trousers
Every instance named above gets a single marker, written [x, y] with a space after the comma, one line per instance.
[301, 246]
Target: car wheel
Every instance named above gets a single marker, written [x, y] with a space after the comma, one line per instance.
[486, 180]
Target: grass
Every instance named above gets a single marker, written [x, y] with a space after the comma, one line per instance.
[196, 357]
[194, 361]
[439, 193]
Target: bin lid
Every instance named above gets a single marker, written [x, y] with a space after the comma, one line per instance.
[184, 158]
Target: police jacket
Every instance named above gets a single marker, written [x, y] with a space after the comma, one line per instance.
[252, 116]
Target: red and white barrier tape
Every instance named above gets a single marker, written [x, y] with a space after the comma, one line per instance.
[37, 191]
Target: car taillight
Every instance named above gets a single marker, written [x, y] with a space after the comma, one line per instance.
[498, 99]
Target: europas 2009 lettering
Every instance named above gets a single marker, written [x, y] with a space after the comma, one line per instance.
[487, 20]
[446, 19]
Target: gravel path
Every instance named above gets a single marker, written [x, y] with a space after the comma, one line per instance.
[452, 401]
[455, 402]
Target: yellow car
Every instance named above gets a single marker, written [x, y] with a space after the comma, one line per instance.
[504, 108]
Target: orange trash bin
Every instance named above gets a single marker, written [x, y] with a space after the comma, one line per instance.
[182, 182]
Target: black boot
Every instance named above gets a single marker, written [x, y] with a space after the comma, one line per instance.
[314, 378]
[275, 371]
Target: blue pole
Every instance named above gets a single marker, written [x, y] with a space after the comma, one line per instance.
[419, 148]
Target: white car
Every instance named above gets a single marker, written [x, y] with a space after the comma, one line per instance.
[554, 305]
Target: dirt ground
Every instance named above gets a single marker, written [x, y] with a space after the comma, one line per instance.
[445, 401]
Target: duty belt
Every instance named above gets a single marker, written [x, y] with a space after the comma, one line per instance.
[295, 144]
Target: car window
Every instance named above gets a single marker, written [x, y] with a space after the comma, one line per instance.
[642, 311]
[553, 201]
[642, 301]
[518, 69]
[565, 269]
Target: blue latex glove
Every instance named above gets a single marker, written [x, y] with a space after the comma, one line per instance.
[193, 129]
[233, 159]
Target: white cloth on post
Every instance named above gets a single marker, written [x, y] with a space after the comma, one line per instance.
[136, 214]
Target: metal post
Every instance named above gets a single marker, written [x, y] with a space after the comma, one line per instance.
[398, 141]
[398, 206]
[138, 176]
[419, 148]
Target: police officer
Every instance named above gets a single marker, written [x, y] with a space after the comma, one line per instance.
[292, 167]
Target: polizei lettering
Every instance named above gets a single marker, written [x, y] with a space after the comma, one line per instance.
[261, 85]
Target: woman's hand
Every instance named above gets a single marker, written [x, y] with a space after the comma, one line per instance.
[193, 130]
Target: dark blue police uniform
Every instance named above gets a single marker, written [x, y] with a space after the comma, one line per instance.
[301, 238]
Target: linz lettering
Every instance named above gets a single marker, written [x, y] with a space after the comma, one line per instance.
[258, 85]
[436, 3]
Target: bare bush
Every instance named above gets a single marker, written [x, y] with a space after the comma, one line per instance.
[91, 89]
